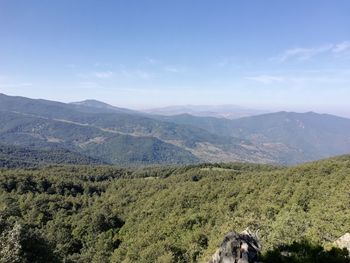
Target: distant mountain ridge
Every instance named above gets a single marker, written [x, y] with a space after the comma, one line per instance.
[288, 136]
[110, 147]
[121, 136]
[217, 111]
[115, 137]
[95, 104]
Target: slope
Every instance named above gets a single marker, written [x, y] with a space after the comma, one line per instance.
[15, 157]
[289, 137]
[200, 143]
[96, 214]
[111, 147]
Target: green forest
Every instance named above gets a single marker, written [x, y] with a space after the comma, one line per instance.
[77, 213]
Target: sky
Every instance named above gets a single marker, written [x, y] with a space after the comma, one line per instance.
[291, 54]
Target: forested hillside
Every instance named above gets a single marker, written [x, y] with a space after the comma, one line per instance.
[288, 137]
[111, 147]
[15, 157]
[116, 136]
[125, 137]
[167, 214]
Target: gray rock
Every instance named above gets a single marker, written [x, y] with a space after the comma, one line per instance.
[343, 242]
[238, 248]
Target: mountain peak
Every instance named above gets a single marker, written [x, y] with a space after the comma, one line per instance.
[93, 103]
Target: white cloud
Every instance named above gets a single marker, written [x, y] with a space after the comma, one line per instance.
[303, 53]
[267, 79]
[143, 74]
[71, 66]
[16, 85]
[305, 79]
[102, 64]
[103, 74]
[174, 69]
[3, 78]
[152, 61]
[341, 47]
[88, 84]
[139, 74]
[223, 62]
[96, 74]
[300, 54]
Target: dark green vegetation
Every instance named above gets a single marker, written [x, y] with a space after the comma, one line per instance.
[171, 214]
[121, 136]
[306, 252]
[15, 157]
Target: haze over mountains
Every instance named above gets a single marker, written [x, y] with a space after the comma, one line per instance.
[109, 134]
[218, 111]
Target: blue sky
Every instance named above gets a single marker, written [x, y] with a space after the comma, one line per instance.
[292, 55]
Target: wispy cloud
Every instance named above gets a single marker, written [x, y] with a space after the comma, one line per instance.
[341, 47]
[16, 85]
[152, 61]
[139, 74]
[302, 54]
[267, 79]
[174, 69]
[224, 62]
[87, 83]
[160, 66]
[304, 78]
[71, 66]
[7, 82]
[143, 74]
[103, 74]
[102, 64]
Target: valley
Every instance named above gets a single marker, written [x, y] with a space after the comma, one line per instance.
[103, 132]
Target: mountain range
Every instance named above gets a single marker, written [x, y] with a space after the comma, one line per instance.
[217, 111]
[114, 135]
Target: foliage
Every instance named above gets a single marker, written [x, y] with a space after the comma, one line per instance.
[306, 252]
[24, 244]
[171, 214]
[15, 157]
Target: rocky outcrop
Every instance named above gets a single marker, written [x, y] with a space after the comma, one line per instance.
[238, 248]
[343, 242]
